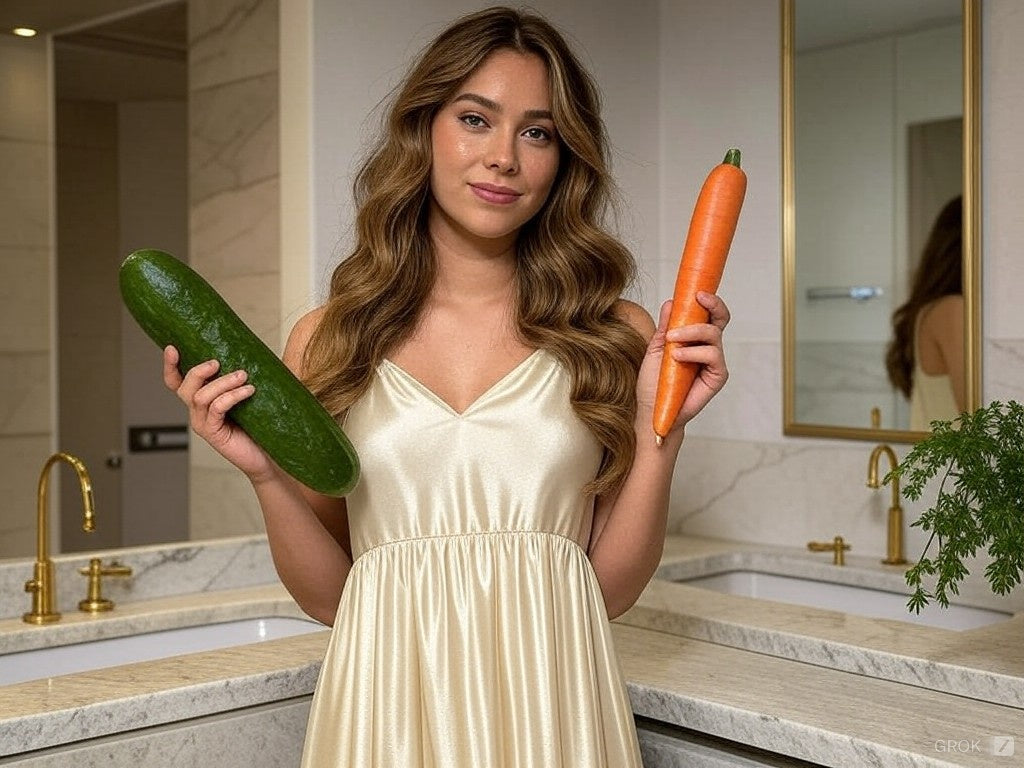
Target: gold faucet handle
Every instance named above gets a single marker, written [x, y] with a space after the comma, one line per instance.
[94, 601]
[837, 547]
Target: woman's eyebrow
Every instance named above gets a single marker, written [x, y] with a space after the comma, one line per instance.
[483, 101]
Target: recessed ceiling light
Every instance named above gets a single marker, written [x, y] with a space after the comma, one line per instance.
[24, 31]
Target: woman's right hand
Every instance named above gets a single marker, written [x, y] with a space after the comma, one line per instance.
[209, 398]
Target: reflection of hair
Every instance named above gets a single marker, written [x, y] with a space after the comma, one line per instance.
[569, 271]
[937, 275]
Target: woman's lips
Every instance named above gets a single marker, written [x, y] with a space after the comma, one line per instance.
[495, 194]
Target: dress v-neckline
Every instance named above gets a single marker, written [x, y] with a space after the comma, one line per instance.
[479, 399]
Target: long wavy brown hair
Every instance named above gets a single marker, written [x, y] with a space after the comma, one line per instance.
[938, 274]
[569, 270]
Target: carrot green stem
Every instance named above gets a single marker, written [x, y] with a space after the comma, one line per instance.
[732, 157]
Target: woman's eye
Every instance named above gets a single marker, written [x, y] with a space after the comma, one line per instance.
[537, 134]
[474, 121]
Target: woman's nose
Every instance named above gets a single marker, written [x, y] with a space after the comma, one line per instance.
[501, 153]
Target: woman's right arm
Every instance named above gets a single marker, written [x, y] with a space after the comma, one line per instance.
[307, 531]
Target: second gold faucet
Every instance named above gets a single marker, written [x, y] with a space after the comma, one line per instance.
[894, 531]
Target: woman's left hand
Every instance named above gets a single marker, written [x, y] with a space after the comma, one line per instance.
[700, 344]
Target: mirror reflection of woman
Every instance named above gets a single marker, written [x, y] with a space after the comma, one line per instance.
[925, 359]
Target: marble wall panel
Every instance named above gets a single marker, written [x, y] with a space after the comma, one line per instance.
[1002, 168]
[25, 387]
[1004, 369]
[22, 457]
[221, 499]
[25, 192]
[24, 299]
[157, 571]
[750, 405]
[25, 274]
[222, 503]
[785, 493]
[231, 40]
[23, 88]
[234, 217]
[233, 136]
[840, 382]
[237, 232]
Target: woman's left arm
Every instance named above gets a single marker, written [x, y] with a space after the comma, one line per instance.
[628, 535]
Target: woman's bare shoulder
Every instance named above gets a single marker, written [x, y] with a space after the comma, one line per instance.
[636, 316]
[944, 310]
[308, 323]
[298, 339]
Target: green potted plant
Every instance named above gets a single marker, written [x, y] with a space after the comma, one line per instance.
[980, 501]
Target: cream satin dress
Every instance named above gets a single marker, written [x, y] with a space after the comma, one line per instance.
[471, 632]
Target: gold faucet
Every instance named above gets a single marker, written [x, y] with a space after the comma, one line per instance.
[43, 584]
[894, 538]
[837, 547]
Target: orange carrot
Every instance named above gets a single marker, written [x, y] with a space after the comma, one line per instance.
[700, 269]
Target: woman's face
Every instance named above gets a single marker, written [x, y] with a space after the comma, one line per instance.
[495, 150]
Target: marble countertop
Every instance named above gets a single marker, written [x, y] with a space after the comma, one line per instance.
[768, 675]
[986, 663]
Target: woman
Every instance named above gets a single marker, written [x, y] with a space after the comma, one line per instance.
[925, 359]
[499, 393]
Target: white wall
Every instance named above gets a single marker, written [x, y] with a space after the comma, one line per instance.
[713, 70]
[1002, 171]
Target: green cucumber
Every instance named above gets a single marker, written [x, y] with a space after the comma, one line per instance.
[174, 305]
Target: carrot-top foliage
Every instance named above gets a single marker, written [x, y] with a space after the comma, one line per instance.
[980, 502]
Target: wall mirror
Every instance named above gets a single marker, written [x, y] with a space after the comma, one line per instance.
[880, 131]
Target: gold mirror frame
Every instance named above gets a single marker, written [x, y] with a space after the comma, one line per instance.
[971, 234]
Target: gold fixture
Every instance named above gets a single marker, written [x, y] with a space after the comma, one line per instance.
[837, 547]
[94, 601]
[43, 584]
[894, 538]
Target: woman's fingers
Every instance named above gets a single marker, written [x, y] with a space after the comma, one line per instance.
[172, 376]
[208, 399]
[717, 309]
[215, 388]
[657, 342]
[701, 344]
[698, 333]
[666, 311]
[213, 400]
[703, 354]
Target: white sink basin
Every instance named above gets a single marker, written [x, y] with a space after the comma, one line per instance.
[111, 652]
[862, 601]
